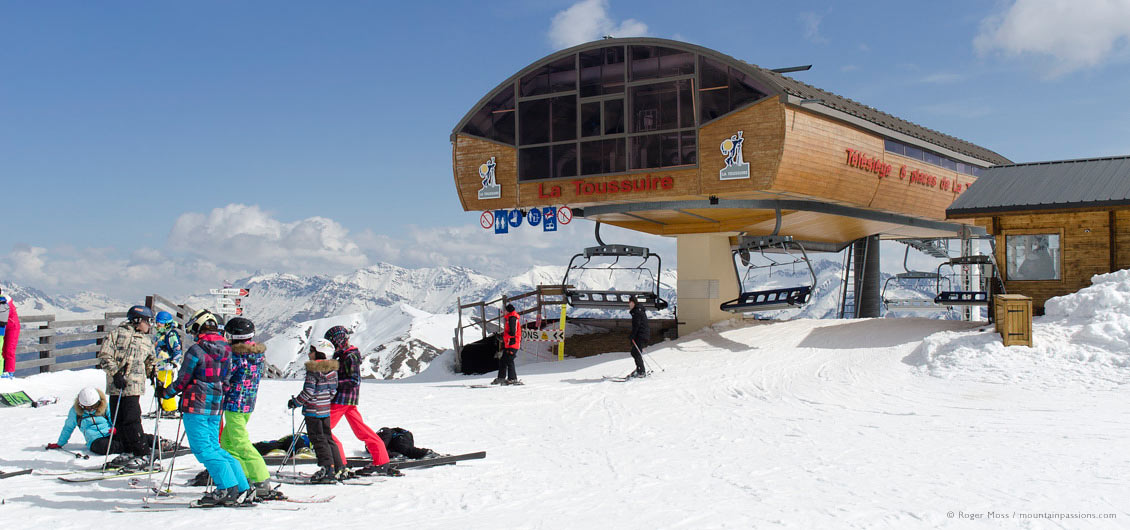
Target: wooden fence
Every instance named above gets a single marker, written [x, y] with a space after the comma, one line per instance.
[73, 344]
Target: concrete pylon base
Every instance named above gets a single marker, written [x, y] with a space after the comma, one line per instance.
[706, 279]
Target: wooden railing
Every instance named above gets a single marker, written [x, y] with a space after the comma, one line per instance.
[544, 296]
[73, 344]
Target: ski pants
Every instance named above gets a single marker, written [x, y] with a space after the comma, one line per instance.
[372, 442]
[235, 440]
[506, 364]
[126, 415]
[103, 445]
[203, 432]
[324, 443]
[637, 355]
[167, 377]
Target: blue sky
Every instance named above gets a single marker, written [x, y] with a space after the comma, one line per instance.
[166, 145]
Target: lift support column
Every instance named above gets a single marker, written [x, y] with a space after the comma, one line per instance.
[867, 280]
[706, 279]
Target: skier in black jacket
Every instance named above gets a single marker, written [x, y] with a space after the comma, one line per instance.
[639, 337]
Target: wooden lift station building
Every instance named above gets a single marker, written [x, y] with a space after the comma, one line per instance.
[673, 139]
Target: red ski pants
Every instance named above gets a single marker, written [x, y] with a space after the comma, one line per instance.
[360, 430]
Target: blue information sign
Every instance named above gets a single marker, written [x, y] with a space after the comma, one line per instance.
[515, 218]
[549, 214]
[534, 217]
[501, 226]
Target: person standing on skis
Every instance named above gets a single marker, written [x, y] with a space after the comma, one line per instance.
[202, 379]
[239, 403]
[511, 341]
[168, 357]
[639, 337]
[344, 404]
[127, 357]
[318, 391]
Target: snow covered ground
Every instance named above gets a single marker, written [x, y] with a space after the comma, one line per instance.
[798, 424]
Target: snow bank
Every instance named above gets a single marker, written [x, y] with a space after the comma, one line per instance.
[1083, 340]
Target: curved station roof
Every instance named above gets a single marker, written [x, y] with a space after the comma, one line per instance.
[671, 138]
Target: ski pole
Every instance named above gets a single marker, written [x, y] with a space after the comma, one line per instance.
[647, 358]
[167, 481]
[113, 430]
[76, 454]
[155, 448]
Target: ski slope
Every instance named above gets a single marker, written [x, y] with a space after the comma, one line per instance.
[799, 424]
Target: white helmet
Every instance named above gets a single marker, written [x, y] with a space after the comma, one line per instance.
[88, 397]
[323, 347]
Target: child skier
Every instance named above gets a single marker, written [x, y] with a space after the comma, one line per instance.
[90, 415]
[9, 334]
[317, 392]
[168, 357]
[344, 403]
[203, 378]
[239, 403]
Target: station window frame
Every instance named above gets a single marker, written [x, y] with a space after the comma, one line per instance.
[1013, 237]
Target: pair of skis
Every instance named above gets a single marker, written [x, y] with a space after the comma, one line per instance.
[159, 505]
[405, 464]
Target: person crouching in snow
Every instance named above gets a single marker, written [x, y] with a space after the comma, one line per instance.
[202, 379]
[344, 404]
[317, 392]
[91, 416]
[239, 403]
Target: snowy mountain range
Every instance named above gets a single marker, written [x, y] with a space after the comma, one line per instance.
[80, 306]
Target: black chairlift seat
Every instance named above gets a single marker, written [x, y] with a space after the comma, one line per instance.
[964, 298]
[786, 298]
[768, 299]
[916, 303]
[614, 299]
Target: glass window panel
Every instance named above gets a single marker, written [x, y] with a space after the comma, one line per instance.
[645, 152]
[893, 147]
[712, 74]
[976, 171]
[686, 103]
[533, 118]
[688, 148]
[655, 107]
[931, 158]
[503, 127]
[645, 62]
[591, 62]
[668, 94]
[533, 163]
[742, 91]
[564, 112]
[557, 76]
[565, 160]
[669, 145]
[714, 103]
[949, 164]
[480, 123]
[612, 77]
[614, 116]
[591, 157]
[912, 152]
[590, 119]
[1032, 257]
[675, 62]
[614, 156]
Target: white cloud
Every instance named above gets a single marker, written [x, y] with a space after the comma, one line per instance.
[248, 236]
[810, 26]
[1062, 35]
[588, 20]
[941, 78]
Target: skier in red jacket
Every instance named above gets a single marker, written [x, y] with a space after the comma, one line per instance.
[511, 341]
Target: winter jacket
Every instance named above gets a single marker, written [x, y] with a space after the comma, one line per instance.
[204, 376]
[126, 348]
[94, 424]
[512, 331]
[319, 388]
[348, 376]
[9, 333]
[247, 369]
[168, 349]
[640, 331]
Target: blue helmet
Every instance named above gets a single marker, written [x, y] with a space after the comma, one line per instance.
[138, 312]
[164, 317]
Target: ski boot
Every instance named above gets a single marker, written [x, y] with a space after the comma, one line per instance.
[345, 473]
[324, 475]
[264, 491]
[385, 470]
[509, 382]
[498, 381]
[220, 497]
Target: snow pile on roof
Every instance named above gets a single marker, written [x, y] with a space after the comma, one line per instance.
[1083, 340]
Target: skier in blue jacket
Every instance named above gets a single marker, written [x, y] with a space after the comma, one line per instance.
[90, 416]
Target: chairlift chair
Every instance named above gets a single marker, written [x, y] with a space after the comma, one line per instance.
[912, 304]
[966, 298]
[768, 299]
[614, 299]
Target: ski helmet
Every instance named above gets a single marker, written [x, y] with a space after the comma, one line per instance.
[164, 317]
[338, 335]
[323, 347]
[240, 328]
[138, 312]
[202, 320]
[88, 397]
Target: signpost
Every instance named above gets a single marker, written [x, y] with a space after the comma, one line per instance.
[230, 300]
